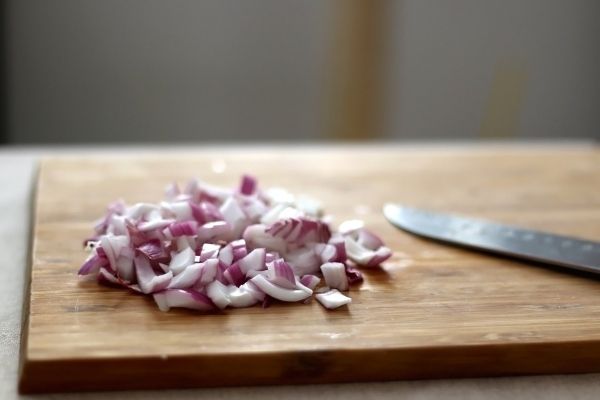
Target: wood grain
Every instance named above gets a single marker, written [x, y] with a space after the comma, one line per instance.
[431, 311]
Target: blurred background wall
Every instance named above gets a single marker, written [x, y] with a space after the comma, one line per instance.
[149, 70]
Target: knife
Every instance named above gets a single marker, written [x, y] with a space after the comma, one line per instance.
[544, 247]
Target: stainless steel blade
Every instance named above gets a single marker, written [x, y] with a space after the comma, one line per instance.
[580, 254]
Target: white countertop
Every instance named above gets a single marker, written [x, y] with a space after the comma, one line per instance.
[16, 179]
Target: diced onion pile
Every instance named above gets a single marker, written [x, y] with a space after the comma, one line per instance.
[208, 248]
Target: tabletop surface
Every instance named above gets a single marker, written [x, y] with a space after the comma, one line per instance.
[16, 177]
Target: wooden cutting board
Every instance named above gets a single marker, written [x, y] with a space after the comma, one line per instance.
[431, 311]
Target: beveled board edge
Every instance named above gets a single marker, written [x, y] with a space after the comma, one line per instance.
[23, 359]
[314, 367]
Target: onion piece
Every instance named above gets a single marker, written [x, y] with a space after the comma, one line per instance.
[281, 274]
[309, 206]
[106, 277]
[234, 216]
[239, 249]
[333, 299]
[183, 298]
[248, 185]
[181, 260]
[183, 242]
[366, 257]
[234, 274]
[281, 196]
[147, 280]
[226, 255]
[213, 231]
[253, 261]
[340, 246]
[278, 292]
[353, 275]
[176, 229]
[241, 296]
[209, 250]
[180, 210]
[310, 281]
[254, 208]
[112, 246]
[154, 251]
[256, 236]
[219, 294]
[272, 215]
[327, 252]
[335, 275]
[125, 267]
[154, 224]
[92, 264]
[368, 239]
[209, 271]
[254, 290]
[187, 278]
[350, 226]
[303, 261]
[205, 212]
[139, 210]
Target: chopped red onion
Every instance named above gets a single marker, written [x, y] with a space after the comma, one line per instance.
[218, 293]
[239, 249]
[364, 256]
[234, 274]
[234, 216]
[254, 261]
[214, 231]
[154, 251]
[256, 236]
[241, 296]
[369, 240]
[353, 275]
[176, 229]
[147, 280]
[248, 185]
[181, 260]
[125, 268]
[310, 281]
[281, 274]
[251, 288]
[139, 210]
[303, 261]
[226, 255]
[183, 242]
[209, 248]
[209, 271]
[333, 299]
[187, 278]
[92, 264]
[183, 298]
[340, 246]
[154, 224]
[327, 252]
[350, 226]
[108, 278]
[205, 212]
[335, 275]
[277, 292]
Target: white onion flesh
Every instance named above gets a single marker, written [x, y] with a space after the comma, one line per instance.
[333, 299]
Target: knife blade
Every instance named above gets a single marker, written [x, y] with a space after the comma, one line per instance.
[518, 242]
